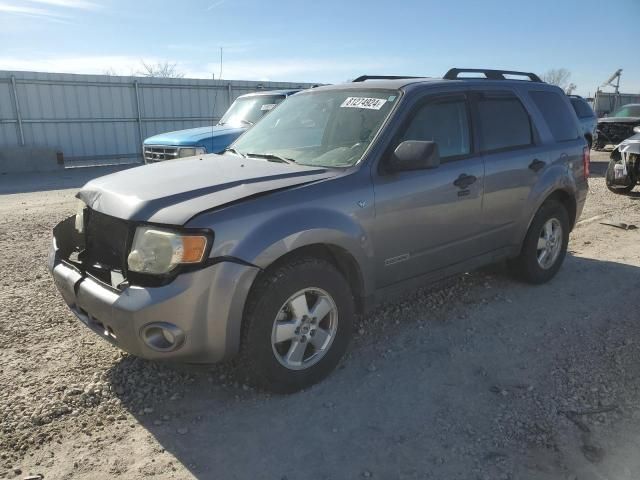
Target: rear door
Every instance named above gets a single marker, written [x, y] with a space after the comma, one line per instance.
[424, 221]
[513, 159]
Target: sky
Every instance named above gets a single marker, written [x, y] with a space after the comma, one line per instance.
[324, 41]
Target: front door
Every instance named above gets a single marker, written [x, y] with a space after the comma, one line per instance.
[429, 219]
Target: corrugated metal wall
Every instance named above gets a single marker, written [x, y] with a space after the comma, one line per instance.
[98, 119]
[606, 102]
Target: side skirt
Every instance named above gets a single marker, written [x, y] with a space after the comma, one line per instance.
[398, 290]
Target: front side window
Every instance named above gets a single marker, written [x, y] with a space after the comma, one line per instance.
[445, 123]
[329, 128]
[557, 116]
[248, 110]
[503, 122]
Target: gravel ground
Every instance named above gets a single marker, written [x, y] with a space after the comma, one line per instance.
[482, 378]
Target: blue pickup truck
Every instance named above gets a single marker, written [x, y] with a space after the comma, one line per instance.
[242, 114]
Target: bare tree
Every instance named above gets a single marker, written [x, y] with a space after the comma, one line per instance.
[559, 77]
[160, 70]
[110, 72]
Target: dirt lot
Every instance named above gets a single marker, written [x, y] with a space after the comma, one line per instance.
[485, 378]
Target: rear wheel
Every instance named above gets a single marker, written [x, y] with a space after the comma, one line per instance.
[544, 246]
[297, 325]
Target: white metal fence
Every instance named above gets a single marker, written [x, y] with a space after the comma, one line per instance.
[98, 119]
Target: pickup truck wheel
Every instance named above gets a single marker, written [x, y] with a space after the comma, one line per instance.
[544, 246]
[297, 325]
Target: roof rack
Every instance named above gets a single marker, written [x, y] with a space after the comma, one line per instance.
[362, 78]
[454, 73]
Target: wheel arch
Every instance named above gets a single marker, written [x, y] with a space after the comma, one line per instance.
[561, 194]
[567, 200]
[338, 256]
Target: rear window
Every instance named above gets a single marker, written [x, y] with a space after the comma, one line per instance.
[558, 117]
[582, 108]
[503, 122]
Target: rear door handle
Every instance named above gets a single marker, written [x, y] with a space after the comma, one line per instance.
[537, 165]
[464, 181]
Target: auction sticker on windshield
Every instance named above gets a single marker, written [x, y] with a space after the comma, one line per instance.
[363, 102]
[268, 106]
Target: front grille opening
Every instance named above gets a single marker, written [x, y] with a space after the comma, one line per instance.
[106, 245]
[157, 153]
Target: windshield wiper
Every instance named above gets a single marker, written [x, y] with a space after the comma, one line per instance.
[248, 122]
[233, 150]
[271, 157]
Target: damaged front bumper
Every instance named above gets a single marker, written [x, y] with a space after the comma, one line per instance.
[196, 318]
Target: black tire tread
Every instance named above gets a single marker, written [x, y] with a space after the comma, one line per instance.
[525, 266]
[248, 363]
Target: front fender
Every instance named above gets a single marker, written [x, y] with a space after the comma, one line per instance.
[287, 232]
[629, 146]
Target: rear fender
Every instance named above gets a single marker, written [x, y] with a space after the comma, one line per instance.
[555, 178]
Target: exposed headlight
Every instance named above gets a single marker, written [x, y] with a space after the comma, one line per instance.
[158, 251]
[79, 222]
[191, 151]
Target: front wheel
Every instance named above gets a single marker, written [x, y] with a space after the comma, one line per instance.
[544, 246]
[297, 325]
[619, 186]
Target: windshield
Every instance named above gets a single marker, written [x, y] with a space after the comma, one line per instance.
[248, 110]
[330, 128]
[627, 111]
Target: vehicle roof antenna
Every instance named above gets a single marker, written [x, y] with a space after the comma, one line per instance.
[215, 97]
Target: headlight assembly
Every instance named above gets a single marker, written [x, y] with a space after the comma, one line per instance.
[191, 151]
[79, 222]
[158, 251]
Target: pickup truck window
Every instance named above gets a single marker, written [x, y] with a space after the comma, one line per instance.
[248, 110]
[324, 128]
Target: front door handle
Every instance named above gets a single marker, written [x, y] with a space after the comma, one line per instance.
[464, 181]
[537, 165]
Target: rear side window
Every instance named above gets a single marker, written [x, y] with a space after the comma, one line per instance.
[582, 108]
[445, 123]
[559, 118]
[503, 122]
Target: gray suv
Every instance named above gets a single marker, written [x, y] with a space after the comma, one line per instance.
[342, 198]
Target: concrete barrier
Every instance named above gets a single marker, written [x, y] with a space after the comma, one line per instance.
[30, 159]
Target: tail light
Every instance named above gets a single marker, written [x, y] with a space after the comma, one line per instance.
[586, 161]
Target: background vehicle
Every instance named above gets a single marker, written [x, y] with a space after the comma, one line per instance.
[343, 197]
[618, 126]
[586, 116]
[623, 172]
[242, 114]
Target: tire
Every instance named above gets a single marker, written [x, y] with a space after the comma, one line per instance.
[619, 189]
[271, 315]
[527, 266]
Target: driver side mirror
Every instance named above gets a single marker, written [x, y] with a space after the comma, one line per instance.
[414, 155]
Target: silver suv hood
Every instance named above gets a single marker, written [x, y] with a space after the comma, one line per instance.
[173, 192]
